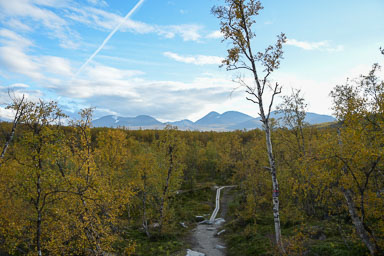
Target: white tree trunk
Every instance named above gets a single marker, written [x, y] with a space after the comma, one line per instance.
[275, 187]
[359, 225]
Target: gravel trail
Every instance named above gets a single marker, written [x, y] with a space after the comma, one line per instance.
[204, 237]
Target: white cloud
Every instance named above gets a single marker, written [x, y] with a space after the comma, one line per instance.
[15, 60]
[88, 89]
[14, 57]
[19, 85]
[10, 38]
[18, 25]
[197, 60]
[52, 3]
[56, 65]
[215, 34]
[100, 19]
[187, 31]
[101, 72]
[306, 45]
[33, 10]
[98, 2]
[322, 45]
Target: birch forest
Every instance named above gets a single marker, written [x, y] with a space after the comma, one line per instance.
[68, 188]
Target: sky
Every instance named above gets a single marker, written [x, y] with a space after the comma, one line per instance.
[162, 57]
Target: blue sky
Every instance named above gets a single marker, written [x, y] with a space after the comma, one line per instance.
[163, 60]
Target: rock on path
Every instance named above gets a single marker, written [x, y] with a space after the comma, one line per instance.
[193, 253]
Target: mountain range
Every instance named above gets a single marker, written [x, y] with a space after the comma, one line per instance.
[228, 121]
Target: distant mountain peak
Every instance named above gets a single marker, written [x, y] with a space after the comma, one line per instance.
[144, 117]
[213, 113]
[118, 121]
[227, 118]
[228, 121]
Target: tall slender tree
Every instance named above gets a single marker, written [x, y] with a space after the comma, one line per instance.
[171, 170]
[237, 18]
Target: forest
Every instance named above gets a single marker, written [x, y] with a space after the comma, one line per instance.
[67, 188]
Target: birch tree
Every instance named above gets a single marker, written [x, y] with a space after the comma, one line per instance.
[39, 183]
[97, 195]
[294, 109]
[19, 106]
[147, 186]
[237, 18]
[357, 159]
[171, 169]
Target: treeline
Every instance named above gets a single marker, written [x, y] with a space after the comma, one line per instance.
[77, 190]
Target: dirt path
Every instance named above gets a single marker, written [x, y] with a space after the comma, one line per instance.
[204, 237]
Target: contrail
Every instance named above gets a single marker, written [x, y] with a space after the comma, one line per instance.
[109, 36]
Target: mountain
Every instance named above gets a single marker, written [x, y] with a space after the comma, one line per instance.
[208, 119]
[106, 121]
[313, 118]
[142, 121]
[247, 125]
[310, 118]
[213, 121]
[216, 122]
[184, 124]
[227, 118]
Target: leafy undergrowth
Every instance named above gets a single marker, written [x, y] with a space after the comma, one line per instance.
[174, 242]
[157, 244]
[197, 202]
[307, 237]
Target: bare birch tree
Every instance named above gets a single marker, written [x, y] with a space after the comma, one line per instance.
[294, 110]
[19, 106]
[237, 18]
